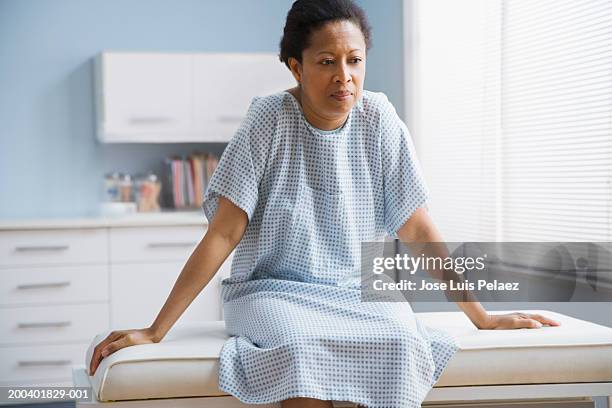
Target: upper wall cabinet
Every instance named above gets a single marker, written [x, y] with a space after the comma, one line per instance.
[170, 98]
[225, 84]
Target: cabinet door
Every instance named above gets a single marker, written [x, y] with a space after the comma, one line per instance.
[53, 247]
[42, 364]
[149, 244]
[53, 285]
[52, 324]
[139, 290]
[225, 84]
[144, 97]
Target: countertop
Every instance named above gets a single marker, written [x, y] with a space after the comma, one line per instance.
[165, 218]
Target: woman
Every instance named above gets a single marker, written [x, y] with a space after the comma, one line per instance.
[311, 173]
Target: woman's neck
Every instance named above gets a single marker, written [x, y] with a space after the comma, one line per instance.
[311, 116]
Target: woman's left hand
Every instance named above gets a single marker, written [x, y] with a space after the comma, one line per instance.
[516, 320]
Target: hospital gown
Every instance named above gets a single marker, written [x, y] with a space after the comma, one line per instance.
[292, 303]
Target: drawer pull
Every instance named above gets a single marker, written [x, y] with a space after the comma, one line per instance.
[37, 325]
[42, 248]
[43, 285]
[139, 120]
[29, 363]
[171, 244]
[229, 119]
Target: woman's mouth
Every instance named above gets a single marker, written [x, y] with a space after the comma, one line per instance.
[342, 95]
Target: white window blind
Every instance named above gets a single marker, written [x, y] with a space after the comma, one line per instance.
[556, 120]
[456, 113]
[513, 117]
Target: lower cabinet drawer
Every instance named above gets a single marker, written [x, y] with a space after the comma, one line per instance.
[138, 292]
[54, 247]
[53, 284]
[46, 324]
[40, 364]
[150, 244]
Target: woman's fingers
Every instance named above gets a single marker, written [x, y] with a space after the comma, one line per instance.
[97, 354]
[118, 340]
[520, 320]
[526, 323]
[545, 320]
[116, 345]
[533, 320]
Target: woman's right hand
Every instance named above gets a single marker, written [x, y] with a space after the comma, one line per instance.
[117, 340]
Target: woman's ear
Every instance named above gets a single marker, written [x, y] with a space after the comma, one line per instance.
[296, 69]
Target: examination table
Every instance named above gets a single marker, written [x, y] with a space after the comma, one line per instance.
[557, 367]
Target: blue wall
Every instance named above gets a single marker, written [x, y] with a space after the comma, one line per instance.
[50, 162]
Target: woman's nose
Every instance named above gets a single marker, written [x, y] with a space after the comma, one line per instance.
[343, 75]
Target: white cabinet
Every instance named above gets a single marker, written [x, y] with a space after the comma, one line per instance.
[40, 365]
[225, 84]
[61, 286]
[54, 299]
[145, 96]
[144, 265]
[52, 285]
[45, 324]
[140, 290]
[52, 247]
[180, 97]
[152, 244]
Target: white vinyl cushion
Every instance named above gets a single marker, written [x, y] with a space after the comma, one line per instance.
[185, 362]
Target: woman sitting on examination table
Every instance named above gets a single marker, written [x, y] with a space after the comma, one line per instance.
[311, 173]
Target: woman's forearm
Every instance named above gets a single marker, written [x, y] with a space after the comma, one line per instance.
[474, 310]
[201, 267]
[420, 235]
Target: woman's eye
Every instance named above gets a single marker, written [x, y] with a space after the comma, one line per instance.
[331, 61]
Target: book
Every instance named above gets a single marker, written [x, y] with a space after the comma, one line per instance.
[187, 179]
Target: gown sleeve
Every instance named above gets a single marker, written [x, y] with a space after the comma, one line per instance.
[404, 187]
[237, 174]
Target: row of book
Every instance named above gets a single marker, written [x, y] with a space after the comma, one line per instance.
[187, 178]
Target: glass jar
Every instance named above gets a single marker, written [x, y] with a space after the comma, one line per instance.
[125, 188]
[148, 189]
[112, 187]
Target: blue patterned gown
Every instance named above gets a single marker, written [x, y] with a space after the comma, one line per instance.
[292, 303]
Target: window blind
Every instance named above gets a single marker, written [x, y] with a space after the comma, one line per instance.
[512, 108]
[456, 113]
[556, 89]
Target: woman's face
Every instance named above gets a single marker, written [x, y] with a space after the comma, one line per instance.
[331, 73]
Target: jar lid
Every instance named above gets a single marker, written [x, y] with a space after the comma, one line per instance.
[115, 175]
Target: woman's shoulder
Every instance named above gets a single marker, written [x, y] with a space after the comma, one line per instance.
[270, 104]
[263, 113]
[372, 101]
[376, 107]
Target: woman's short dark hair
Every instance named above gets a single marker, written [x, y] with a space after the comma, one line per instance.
[307, 16]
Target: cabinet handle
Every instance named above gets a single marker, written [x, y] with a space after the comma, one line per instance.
[28, 363]
[42, 285]
[41, 248]
[171, 244]
[229, 119]
[38, 325]
[139, 120]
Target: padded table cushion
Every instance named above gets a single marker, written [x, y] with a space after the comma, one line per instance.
[185, 363]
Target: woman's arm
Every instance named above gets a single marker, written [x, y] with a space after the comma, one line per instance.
[223, 234]
[420, 229]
